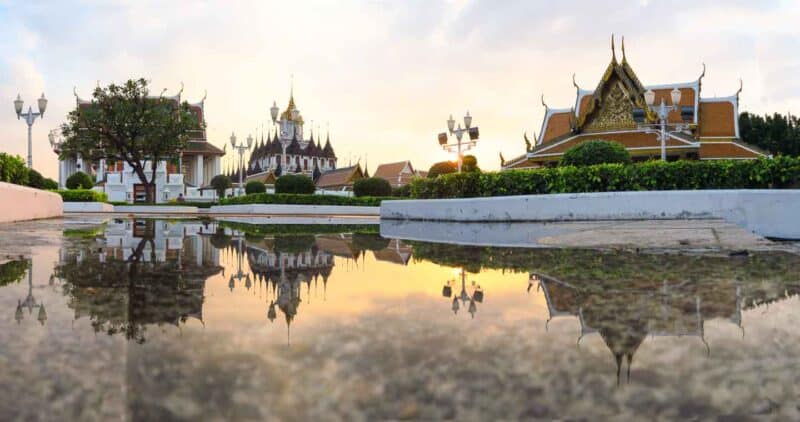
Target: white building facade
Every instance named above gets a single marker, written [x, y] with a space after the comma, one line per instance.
[189, 178]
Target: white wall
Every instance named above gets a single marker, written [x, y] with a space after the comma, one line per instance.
[19, 203]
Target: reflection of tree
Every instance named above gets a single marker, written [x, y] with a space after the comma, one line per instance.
[125, 296]
[219, 239]
[12, 271]
[369, 241]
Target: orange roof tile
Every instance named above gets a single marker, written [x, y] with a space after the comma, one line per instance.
[717, 118]
[557, 124]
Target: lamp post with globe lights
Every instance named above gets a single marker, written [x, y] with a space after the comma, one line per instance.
[459, 132]
[241, 148]
[663, 110]
[30, 117]
[286, 130]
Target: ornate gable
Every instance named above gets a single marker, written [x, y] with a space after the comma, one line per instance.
[617, 94]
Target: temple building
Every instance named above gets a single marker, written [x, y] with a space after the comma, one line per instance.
[704, 128]
[189, 176]
[288, 151]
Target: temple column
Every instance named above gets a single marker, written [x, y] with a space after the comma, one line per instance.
[198, 171]
[101, 170]
[217, 167]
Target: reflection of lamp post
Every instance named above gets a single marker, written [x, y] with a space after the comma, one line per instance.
[459, 133]
[30, 117]
[473, 299]
[239, 273]
[663, 114]
[30, 302]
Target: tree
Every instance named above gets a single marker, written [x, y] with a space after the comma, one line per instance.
[443, 167]
[254, 186]
[372, 186]
[595, 152]
[317, 173]
[79, 180]
[777, 134]
[13, 169]
[124, 123]
[221, 183]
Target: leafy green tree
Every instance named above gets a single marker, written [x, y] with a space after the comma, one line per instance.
[254, 186]
[13, 169]
[443, 167]
[79, 180]
[124, 123]
[372, 186]
[776, 133]
[294, 183]
[596, 152]
[221, 183]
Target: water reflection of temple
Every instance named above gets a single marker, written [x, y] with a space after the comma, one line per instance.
[624, 318]
[146, 272]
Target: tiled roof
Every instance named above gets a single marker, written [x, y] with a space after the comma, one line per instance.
[340, 177]
[202, 147]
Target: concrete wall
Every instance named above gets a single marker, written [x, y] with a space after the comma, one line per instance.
[19, 203]
[87, 207]
[769, 213]
[155, 209]
[279, 209]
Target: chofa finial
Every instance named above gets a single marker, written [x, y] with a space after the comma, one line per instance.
[180, 91]
[613, 52]
[575, 84]
[703, 73]
[205, 95]
[740, 88]
[543, 103]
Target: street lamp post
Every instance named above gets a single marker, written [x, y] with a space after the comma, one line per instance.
[241, 148]
[459, 132]
[30, 117]
[663, 110]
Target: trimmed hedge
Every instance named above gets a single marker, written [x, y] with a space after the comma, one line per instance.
[372, 186]
[254, 186]
[295, 199]
[777, 173]
[294, 183]
[79, 180]
[82, 195]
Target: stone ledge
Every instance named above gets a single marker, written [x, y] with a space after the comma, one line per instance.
[21, 203]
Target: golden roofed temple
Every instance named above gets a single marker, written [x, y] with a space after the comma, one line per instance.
[617, 110]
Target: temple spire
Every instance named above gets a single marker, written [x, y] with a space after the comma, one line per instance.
[623, 48]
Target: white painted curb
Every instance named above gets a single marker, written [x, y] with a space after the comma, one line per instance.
[769, 213]
[283, 209]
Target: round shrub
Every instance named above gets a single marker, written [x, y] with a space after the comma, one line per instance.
[294, 183]
[80, 180]
[443, 167]
[402, 191]
[221, 183]
[255, 186]
[469, 163]
[372, 186]
[596, 152]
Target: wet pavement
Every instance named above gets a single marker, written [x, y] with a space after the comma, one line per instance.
[187, 319]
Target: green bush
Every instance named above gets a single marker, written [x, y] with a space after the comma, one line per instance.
[777, 173]
[402, 191]
[595, 152]
[294, 183]
[444, 167]
[221, 183]
[372, 186]
[79, 180]
[82, 195]
[295, 199]
[255, 186]
[469, 163]
[13, 169]
[36, 180]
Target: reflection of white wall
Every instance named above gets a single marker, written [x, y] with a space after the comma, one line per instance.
[166, 236]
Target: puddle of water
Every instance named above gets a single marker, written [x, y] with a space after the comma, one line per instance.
[154, 319]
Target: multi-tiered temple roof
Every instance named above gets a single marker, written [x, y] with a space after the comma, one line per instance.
[616, 111]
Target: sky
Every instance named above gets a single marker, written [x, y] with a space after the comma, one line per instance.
[385, 75]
